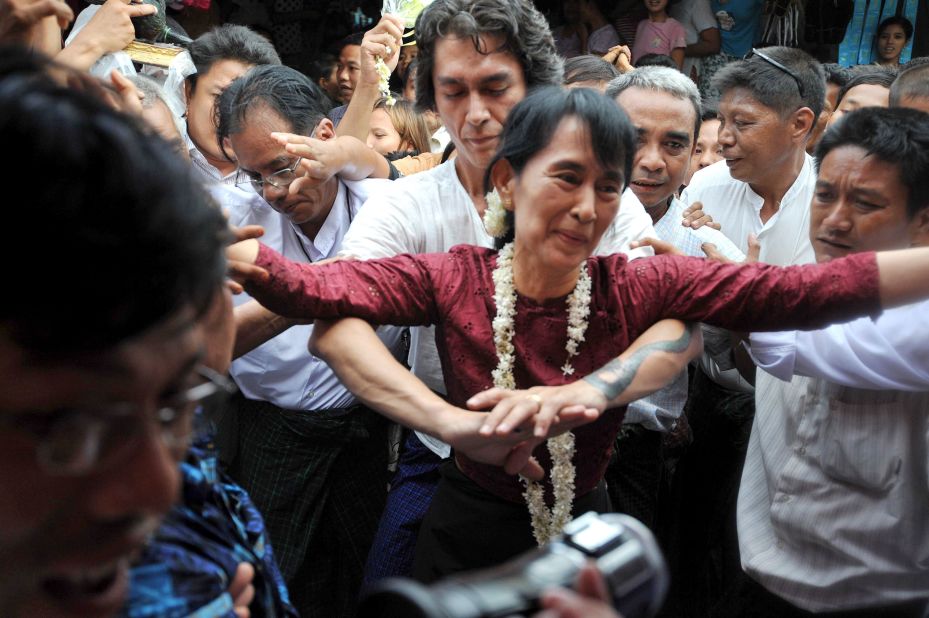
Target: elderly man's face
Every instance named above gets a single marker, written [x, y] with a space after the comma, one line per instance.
[474, 93]
[68, 531]
[860, 204]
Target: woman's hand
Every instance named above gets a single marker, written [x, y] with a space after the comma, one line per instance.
[462, 430]
[548, 410]
[241, 258]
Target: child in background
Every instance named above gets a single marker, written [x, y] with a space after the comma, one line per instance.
[397, 128]
[659, 34]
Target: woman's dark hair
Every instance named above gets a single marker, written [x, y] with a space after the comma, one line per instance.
[129, 238]
[532, 122]
[898, 136]
[874, 76]
[896, 20]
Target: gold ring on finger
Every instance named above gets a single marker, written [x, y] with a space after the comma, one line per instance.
[535, 398]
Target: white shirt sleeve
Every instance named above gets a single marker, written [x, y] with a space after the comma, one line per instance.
[889, 353]
[631, 223]
[702, 16]
[382, 228]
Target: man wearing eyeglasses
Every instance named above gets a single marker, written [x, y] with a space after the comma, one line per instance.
[100, 370]
[313, 460]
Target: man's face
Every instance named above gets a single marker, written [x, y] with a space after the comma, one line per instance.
[348, 71]
[259, 156]
[330, 83]
[707, 151]
[753, 138]
[665, 128]
[865, 95]
[474, 92]
[66, 540]
[859, 205]
[200, 102]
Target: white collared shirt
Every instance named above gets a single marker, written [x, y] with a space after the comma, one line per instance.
[784, 238]
[833, 509]
[431, 212]
[282, 371]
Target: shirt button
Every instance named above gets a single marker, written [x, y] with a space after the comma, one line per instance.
[783, 498]
[801, 451]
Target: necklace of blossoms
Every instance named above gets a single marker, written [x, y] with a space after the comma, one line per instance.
[546, 523]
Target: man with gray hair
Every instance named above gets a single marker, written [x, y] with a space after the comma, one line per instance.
[477, 59]
[664, 107]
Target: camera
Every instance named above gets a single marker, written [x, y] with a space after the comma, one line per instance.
[622, 548]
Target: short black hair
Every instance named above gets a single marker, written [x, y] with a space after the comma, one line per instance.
[896, 20]
[321, 67]
[588, 68]
[773, 87]
[912, 82]
[875, 76]
[532, 122]
[287, 92]
[354, 38]
[898, 136]
[230, 42]
[524, 30]
[656, 60]
[836, 74]
[122, 205]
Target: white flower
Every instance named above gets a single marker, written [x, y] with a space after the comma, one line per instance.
[546, 523]
[383, 82]
[495, 215]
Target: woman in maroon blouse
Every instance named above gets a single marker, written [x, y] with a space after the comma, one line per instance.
[541, 314]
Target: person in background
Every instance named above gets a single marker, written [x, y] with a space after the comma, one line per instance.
[324, 71]
[707, 151]
[656, 60]
[659, 34]
[408, 53]
[892, 36]
[911, 88]
[587, 30]
[398, 130]
[347, 73]
[588, 72]
[739, 21]
[703, 43]
[836, 78]
[868, 88]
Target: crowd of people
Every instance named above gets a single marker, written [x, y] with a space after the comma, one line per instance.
[333, 328]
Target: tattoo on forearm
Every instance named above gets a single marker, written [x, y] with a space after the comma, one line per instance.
[616, 376]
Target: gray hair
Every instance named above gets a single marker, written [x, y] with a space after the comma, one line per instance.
[659, 79]
[524, 29]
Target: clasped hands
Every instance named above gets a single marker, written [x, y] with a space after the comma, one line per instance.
[519, 420]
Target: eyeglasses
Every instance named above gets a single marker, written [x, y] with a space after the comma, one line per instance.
[80, 440]
[780, 66]
[280, 179]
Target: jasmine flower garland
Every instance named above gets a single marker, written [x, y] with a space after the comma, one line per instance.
[546, 523]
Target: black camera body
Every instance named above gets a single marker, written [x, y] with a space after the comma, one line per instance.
[623, 549]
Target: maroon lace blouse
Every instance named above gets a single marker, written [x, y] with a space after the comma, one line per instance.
[454, 291]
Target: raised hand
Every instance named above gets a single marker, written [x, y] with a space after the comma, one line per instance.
[695, 218]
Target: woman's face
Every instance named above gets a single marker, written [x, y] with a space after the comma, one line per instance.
[382, 136]
[656, 6]
[890, 44]
[407, 53]
[563, 200]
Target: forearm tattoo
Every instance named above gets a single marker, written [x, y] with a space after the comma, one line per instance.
[616, 376]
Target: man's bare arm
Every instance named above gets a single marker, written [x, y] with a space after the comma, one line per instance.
[254, 325]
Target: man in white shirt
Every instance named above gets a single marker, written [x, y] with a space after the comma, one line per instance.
[768, 107]
[312, 458]
[473, 90]
[834, 502]
[664, 106]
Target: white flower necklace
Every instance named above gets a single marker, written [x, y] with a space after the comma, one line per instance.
[546, 523]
